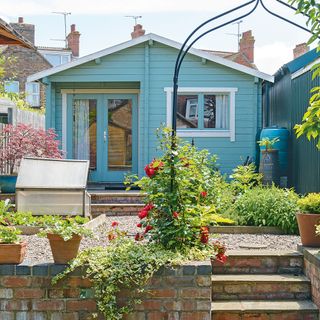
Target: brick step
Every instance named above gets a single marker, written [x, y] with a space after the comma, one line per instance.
[259, 287]
[116, 197]
[116, 209]
[260, 262]
[264, 310]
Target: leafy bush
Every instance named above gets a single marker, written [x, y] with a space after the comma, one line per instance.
[244, 177]
[9, 234]
[5, 206]
[27, 141]
[66, 228]
[310, 203]
[126, 264]
[222, 195]
[262, 206]
[176, 215]
[11, 218]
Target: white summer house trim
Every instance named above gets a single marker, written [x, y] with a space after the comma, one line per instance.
[230, 133]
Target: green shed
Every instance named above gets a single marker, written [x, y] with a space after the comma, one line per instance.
[284, 104]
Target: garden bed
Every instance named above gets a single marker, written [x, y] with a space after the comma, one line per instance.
[38, 250]
[92, 224]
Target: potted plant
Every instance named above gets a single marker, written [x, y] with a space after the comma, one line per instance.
[20, 141]
[65, 236]
[269, 162]
[308, 217]
[12, 250]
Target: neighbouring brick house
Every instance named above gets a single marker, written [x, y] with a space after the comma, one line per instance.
[29, 61]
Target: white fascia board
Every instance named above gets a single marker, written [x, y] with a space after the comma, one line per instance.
[305, 69]
[154, 37]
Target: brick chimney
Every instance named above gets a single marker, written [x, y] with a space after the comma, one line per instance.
[25, 29]
[73, 39]
[137, 31]
[300, 50]
[247, 45]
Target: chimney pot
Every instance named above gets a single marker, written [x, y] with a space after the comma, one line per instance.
[20, 20]
[73, 39]
[300, 50]
[247, 45]
[137, 31]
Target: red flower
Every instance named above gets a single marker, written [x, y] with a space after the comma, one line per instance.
[203, 194]
[111, 236]
[114, 224]
[148, 228]
[142, 214]
[175, 214]
[139, 225]
[221, 258]
[148, 207]
[138, 237]
[150, 172]
[152, 168]
[204, 235]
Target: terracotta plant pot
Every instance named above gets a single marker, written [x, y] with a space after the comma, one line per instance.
[64, 251]
[307, 229]
[12, 252]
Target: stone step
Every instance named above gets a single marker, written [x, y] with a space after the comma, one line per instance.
[259, 287]
[264, 310]
[116, 209]
[117, 197]
[260, 262]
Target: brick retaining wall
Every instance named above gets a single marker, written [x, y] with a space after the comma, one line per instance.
[26, 293]
[312, 271]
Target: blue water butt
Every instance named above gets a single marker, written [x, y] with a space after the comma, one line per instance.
[282, 145]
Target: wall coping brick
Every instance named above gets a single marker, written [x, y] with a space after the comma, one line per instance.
[310, 254]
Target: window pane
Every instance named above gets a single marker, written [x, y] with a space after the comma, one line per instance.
[64, 59]
[54, 59]
[119, 134]
[11, 86]
[85, 131]
[216, 111]
[33, 93]
[187, 113]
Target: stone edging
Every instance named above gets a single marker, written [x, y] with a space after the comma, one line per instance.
[245, 229]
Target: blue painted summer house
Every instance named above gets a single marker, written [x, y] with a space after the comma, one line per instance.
[107, 106]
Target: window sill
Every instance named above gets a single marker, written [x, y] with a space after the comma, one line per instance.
[204, 133]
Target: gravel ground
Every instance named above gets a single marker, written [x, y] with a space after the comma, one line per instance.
[38, 250]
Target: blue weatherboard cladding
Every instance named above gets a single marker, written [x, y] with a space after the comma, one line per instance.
[285, 103]
[149, 67]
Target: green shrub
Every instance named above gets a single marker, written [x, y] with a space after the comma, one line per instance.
[310, 203]
[9, 234]
[245, 177]
[262, 206]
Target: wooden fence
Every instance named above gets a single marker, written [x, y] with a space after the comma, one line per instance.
[36, 120]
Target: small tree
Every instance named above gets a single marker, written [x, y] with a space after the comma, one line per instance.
[22, 141]
[310, 125]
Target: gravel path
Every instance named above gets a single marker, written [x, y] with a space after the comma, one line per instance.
[38, 250]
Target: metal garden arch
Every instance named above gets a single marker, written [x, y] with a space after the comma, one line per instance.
[187, 45]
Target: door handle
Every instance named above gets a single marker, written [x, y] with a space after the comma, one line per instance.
[105, 136]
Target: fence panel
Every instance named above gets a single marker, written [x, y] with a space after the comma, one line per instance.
[4, 138]
[35, 119]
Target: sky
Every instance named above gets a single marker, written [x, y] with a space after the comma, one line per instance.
[103, 23]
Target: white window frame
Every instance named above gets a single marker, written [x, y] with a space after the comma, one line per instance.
[218, 133]
[33, 94]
